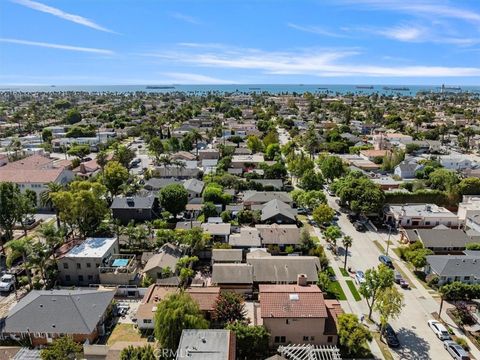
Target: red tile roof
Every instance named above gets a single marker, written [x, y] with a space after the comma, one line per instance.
[292, 301]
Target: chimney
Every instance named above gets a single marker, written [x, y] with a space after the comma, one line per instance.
[302, 280]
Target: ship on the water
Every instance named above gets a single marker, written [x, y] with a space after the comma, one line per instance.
[369, 87]
[150, 87]
[451, 88]
[396, 88]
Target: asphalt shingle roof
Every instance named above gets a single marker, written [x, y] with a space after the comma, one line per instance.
[59, 311]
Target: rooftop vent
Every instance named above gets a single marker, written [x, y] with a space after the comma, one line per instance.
[293, 297]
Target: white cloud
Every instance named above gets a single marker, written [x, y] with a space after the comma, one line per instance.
[421, 7]
[186, 18]
[57, 46]
[315, 30]
[189, 78]
[404, 33]
[61, 14]
[311, 62]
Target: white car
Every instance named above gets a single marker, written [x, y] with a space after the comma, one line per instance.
[439, 330]
[359, 277]
[7, 283]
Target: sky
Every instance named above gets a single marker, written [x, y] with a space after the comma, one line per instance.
[129, 42]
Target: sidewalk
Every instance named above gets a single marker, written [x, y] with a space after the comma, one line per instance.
[350, 305]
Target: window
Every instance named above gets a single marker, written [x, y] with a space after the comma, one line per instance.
[147, 321]
[427, 222]
[90, 277]
[79, 266]
[466, 278]
[279, 339]
[97, 265]
[80, 278]
[286, 321]
[305, 338]
[312, 338]
[89, 265]
[65, 265]
[67, 278]
[330, 339]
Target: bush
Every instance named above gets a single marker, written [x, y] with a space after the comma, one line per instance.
[432, 280]
[462, 342]
[437, 197]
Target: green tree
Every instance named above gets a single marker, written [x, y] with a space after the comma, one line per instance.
[229, 308]
[21, 248]
[123, 155]
[114, 176]
[332, 167]
[156, 148]
[469, 186]
[47, 135]
[347, 243]
[270, 138]
[323, 214]
[213, 192]
[352, 335]
[73, 116]
[389, 305]
[272, 151]
[442, 179]
[311, 180]
[9, 212]
[46, 198]
[251, 341]
[102, 159]
[174, 198]
[79, 151]
[146, 352]
[174, 313]
[332, 233]
[61, 348]
[324, 281]
[376, 280]
[254, 144]
[209, 210]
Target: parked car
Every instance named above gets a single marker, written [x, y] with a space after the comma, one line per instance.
[7, 283]
[390, 337]
[359, 277]
[359, 226]
[385, 260]
[439, 330]
[135, 162]
[352, 217]
[397, 277]
[404, 284]
[457, 352]
[301, 211]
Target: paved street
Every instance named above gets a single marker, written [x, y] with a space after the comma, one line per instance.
[417, 339]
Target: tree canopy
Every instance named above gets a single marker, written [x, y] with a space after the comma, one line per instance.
[174, 198]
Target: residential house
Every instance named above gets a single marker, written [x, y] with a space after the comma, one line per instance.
[457, 162]
[386, 182]
[407, 169]
[185, 169]
[251, 197]
[187, 225]
[44, 315]
[36, 172]
[205, 297]
[278, 234]
[372, 155]
[219, 232]
[87, 169]
[276, 211]
[246, 161]
[419, 215]
[222, 256]
[211, 154]
[167, 257]
[233, 277]
[269, 184]
[470, 206]
[194, 188]
[449, 268]
[440, 239]
[78, 262]
[211, 344]
[298, 314]
[136, 208]
[157, 184]
[183, 155]
[269, 269]
[120, 269]
[248, 237]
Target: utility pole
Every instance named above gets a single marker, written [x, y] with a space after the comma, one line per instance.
[388, 241]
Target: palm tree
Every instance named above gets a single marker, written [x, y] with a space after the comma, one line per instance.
[52, 236]
[165, 161]
[46, 198]
[141, 235]
[39, 257]
[179, 165]
[196, 137]
[21, 247]
[347, 242]
[102, 159]
[130, 231]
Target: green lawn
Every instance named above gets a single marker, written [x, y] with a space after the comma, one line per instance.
[344, 272]
[336, 290]
[353, 290]
[125, 332]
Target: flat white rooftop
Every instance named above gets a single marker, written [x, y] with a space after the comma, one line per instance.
[92, 248]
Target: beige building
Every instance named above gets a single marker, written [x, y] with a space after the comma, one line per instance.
[80, 262]
[298, 314]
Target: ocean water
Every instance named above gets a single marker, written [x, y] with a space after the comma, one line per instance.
[404, 90]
